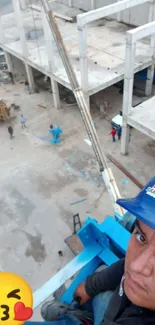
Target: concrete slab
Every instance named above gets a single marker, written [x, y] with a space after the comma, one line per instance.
[143, 116]
[105, 52]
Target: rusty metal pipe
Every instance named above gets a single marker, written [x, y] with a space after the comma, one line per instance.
[125, 171]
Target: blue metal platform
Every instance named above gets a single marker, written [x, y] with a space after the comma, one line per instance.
[103, 243]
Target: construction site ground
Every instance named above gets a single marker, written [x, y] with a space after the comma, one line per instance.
[39, 181]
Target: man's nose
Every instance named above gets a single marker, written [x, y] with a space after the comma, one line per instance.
[143, 262]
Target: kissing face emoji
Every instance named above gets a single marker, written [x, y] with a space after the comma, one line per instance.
[16, 299]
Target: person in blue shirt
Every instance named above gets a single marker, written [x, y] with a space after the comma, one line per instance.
[119, 132]
[22, 121]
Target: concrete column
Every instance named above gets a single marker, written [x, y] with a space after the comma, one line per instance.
[128, 92]
[119, 15]
[20, 26]
[30, 77]
[149, 80]
[92, 4]
[56, 96]
[125, 139]
[70, 3]
[87, 99]
[49, 43]
[1, 32]
[150, 70]
[8, 61]
[83, 59]
[23, 4]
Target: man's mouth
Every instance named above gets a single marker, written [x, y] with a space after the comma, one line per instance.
[132, 282]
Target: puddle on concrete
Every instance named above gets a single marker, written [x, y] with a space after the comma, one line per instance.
[150, 148]
[81, 192]
[36, 248]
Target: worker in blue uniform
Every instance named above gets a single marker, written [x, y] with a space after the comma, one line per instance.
[55, 131]
[119, 132]
[124, 293]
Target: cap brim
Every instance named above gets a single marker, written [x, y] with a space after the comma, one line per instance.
[142, 206]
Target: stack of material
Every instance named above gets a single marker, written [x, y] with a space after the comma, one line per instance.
[4, 111]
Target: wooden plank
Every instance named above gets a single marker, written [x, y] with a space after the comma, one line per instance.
[75, 244]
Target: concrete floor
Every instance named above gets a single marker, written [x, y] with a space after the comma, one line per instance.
[105, 50]
[39, 181]
[143, 117]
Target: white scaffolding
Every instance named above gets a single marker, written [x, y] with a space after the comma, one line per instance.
[141, 117]
[95, 64]
[91, 16]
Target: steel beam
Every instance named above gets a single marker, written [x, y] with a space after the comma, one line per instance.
[90, 16]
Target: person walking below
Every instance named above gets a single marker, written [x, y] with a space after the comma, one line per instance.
[113, 134]
[27, 86]
[119, 132]
[10, 130]
[11, 77]
[22, 121]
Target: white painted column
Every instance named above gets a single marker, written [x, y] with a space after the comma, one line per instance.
[20, 26]
[92, 4]
[56, 96]
[52, 54]
[70, 3]
[149, 80]
[119, 15]
[128, 92]
[30, 77]
[23, 4]
[49, 43]
[1, 32]
[150, 70]
[84, 63]
[8, 61]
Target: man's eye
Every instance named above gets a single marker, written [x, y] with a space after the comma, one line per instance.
[140, 237]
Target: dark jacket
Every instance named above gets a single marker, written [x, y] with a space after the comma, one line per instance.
[120, 310]
[10, 130]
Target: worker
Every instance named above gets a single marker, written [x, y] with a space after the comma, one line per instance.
[113, 134]
[124, 293]
[22, 121]
[10, 130]
[11, 77]
[119, 132]
[27, 86]
[55, 130]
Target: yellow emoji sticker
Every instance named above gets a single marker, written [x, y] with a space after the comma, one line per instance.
[16, 299]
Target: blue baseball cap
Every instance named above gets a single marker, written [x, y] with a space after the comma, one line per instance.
[143, 205]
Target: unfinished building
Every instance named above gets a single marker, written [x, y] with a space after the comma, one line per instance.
[141, 117]
[96, 44]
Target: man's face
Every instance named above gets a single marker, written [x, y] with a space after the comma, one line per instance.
[139, 282]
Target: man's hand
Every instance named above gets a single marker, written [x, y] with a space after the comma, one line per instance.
[80, 292]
